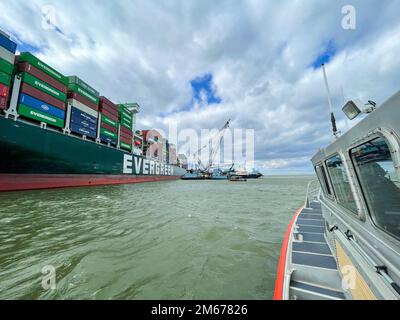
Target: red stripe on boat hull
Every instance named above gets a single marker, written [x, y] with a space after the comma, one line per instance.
[280, 275]
[19, 182]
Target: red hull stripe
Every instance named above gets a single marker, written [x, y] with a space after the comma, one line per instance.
[19, 182]
[280, 275]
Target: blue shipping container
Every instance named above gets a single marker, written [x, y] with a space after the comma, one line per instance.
[83, 115]
[42, 106]
[83, 123]
[108, 139]
[7, 44]
[83, 131]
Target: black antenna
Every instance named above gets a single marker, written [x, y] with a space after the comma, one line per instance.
[333, 119]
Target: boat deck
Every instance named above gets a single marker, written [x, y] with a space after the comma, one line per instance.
[314, 269]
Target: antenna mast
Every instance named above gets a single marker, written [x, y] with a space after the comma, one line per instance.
[333, 120]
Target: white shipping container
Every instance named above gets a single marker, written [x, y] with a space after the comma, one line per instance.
[7, 55]
[84, 108]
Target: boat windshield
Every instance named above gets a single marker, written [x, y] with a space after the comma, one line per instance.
[340, 183]
[380, 183]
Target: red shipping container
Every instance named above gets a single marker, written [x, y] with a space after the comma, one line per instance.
[26, 67]
[105, 101]
[108, 115]
[126, 131]
[85, 101]
[40, 95]
[126, 136]
[109, 109]
[4, 90]
[3, 103]
[128, 141]
[109, 128]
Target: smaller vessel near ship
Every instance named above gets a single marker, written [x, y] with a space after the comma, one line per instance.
[210, 171]
[245, 174]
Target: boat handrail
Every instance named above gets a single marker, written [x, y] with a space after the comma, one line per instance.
[313, 191]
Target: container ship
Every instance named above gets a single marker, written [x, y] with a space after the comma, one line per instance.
[58, 131]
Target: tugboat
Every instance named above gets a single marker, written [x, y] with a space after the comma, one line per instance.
[245, 174]
[194, 175]
[254, 174]
[237, 178]
[344, 242]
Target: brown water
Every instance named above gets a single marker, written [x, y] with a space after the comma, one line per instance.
[164, 240]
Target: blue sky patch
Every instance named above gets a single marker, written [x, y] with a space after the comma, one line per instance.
[23, 47]
[204, 85]
[202, 89]
[326, 55]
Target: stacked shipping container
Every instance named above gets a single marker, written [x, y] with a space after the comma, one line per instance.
[109, 121]
[84, 101]
[43, 91]
[125, 120]
[138, 141]
[172, 154]
[7, 58]
[45, 94]
[166, 151]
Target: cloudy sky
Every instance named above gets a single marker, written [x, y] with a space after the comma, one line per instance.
[200, 62]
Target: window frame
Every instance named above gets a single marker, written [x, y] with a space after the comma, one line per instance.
[325, 180]
[354, 214]
[389, 143]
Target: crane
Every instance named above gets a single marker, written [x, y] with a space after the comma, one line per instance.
[213, 151]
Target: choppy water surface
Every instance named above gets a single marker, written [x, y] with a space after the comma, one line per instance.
[166, 240]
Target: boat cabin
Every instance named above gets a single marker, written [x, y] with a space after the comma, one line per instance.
[359, 175]
[345, 242]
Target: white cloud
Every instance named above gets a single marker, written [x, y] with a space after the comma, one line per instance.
[259, 53]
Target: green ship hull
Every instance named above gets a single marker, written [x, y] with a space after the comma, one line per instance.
[33, 158]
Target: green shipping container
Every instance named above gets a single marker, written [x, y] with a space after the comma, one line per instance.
[78, 89]
[30, 58]
[122, 107]
[128, 105]
[5, 78]
[43, 86]
[83, 85]
[125, 146]
[124, 119]
[126, 113]
[28, 112]
[109, 121]
[108, 133]
[6, 67]
[126, 125]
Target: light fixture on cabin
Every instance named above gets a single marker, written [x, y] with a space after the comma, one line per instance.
[354, 107]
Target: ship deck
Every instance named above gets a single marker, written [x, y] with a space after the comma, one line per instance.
[310, 270]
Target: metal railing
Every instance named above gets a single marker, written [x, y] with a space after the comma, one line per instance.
[313, 192]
